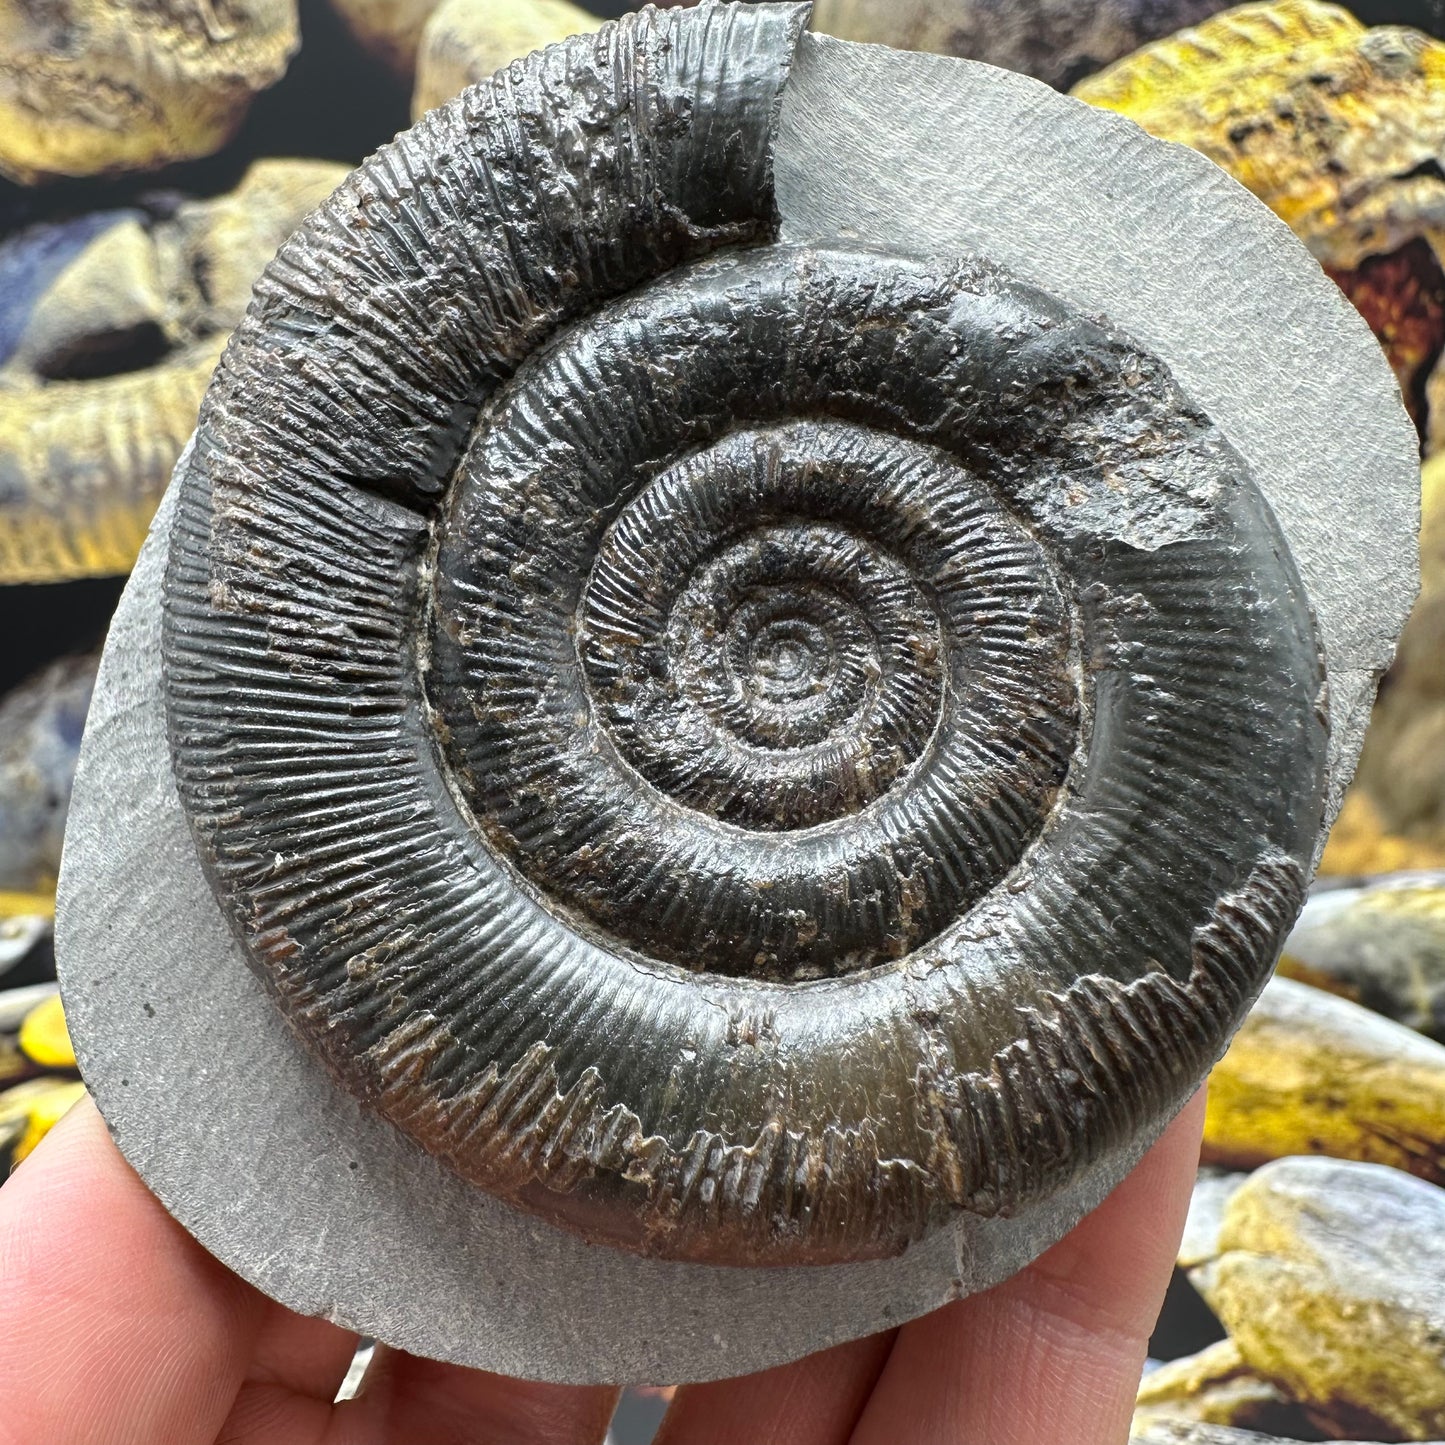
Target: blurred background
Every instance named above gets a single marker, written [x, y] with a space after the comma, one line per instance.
[152, 159]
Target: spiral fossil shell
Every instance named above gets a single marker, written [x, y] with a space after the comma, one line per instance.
[744, 749]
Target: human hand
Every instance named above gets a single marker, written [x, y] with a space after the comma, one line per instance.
[119, 1329]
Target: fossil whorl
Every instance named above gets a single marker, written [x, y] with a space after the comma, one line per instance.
[743, 754]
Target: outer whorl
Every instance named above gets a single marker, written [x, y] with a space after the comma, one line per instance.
[746, 754]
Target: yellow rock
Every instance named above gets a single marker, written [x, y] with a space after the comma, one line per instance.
[44, 1037]
[90, 87]
[93, 458]
[1362, 845]
[466, 41]
[110, 358]
[1214, 1387]
[1338, 129]
[42, 1103]
[389, 29]
[1311, 1073]
[27, 905]
[1331, 1283]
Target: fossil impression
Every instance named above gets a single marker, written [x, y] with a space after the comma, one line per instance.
[742, 748]
[91, 87]
[110, 326]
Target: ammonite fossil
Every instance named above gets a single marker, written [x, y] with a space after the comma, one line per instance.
[1339, 129]
[91, 87]
[110, 326]
[745, 749]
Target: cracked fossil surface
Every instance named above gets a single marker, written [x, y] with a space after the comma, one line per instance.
[745, 749]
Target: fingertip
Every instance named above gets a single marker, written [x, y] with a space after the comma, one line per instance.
[1055, 1352]
[118, 1325]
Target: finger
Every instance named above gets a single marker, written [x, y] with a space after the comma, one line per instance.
[303, 1356]
[447, 1405]
[117, 1325]
[291, 1384]
[816, 1401]
[1056, 1352]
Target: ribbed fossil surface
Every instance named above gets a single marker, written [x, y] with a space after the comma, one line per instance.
[742, 749]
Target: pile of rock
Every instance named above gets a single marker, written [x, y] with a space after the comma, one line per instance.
[1325, 1265]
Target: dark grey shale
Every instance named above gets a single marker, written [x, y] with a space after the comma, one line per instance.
[405, 1247]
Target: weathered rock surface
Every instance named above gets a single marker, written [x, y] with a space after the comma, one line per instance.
[465, 41]
[1382, 945]
[1055, 40]
[1213, 1190]
[1337, 128]
[1214, 1387]
[1311, 1073]
[1186, 1432]
[1331, 1282]
[41, 723]
[1402, 768]
[90, 87]
[110, 326]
